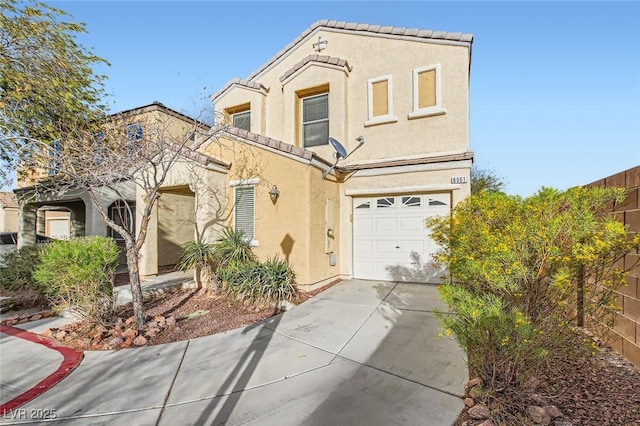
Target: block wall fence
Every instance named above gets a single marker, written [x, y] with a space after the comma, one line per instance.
[625, 336]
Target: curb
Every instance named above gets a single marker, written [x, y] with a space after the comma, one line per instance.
[71, 359]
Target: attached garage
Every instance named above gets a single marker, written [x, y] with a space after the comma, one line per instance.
[390, 239]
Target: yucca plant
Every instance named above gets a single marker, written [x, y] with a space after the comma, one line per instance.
[203, 258]
[233, 247]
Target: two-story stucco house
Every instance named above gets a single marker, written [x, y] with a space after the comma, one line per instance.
[406, 92]
[271, 173]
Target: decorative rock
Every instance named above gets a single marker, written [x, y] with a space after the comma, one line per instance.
[469, 402]
[531, 383]
[553, 411]
[35, 317]
[140, 341]
[47, 332]
[113, 342]
[130, 321]
[152, 332]
[538, 415]
[60, 335]
[487, 422]
[119, 325]
[474, 382]
[160, 320]
[47, 314]
[129, 333]
[11, 322]
[170, 322]
[479, 412]
[537, 399]
[563, 423]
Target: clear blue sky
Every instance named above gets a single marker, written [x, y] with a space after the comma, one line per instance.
[555, 86]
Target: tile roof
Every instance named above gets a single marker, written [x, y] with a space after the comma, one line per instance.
[273, 143]
[239, 82]
[316, 58]
[355, 27]
[158, 106]
[198, 157]
[8, 199]
[408, 162]
[371, 29]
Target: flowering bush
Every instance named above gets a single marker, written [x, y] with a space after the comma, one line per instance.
[523, 272]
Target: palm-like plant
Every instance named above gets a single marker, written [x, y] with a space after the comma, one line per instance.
[233, 248]
[203, 258]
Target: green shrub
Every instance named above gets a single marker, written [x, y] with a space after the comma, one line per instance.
[203, 258]
[18, 268]
[525, 272]
[233, 247]
[259, 283]
[78, 274]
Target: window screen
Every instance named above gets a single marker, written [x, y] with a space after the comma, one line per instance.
[244, 211]
[315, 120]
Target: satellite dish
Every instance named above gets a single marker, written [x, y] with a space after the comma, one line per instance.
[341, 152]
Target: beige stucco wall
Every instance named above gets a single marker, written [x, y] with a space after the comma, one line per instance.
[9, 219]
[294, 227]
[371, 57]
[176, 223]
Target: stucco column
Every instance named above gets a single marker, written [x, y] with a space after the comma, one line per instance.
[210, 206]
[148, 263]
[94, 224]
[26, 225]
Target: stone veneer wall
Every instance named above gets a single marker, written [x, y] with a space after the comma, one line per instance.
[626, 333]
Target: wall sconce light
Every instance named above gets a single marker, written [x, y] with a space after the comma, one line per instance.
[274, 194]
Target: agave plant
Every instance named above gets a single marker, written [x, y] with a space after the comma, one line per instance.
[233, 247]
[201, 257]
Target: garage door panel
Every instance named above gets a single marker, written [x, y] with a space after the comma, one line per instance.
[393, 242]
[411, 224]
[385, 246]
[363, 225]
[386, 224]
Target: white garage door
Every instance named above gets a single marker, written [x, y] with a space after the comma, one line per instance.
[390, 239]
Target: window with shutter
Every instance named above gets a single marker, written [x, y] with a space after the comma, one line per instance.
[244, 211]
[315, 120]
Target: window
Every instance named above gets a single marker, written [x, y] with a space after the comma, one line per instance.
[54, 157]
[427, 97]
[122, 213]
[315, 120]
[380, 101]
[411, 202]
[242, 120]
[366, 205]
[244, 211]
[384, 203]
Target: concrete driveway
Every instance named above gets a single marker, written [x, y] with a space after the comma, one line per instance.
[360, 353]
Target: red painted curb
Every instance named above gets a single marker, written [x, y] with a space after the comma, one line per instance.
[71, 356]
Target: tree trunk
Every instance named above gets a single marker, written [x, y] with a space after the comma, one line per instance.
[136, 288]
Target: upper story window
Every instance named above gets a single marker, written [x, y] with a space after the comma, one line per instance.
[315, 120]
[380, 101]
[242, 120]
[427, 94]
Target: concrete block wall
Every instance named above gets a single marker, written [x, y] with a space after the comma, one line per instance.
[626, 333]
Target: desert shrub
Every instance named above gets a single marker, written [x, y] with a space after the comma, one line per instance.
[18, 268]
[524, 272]
[259, 283]
[233, 247]
[78, 274]
[202, 257]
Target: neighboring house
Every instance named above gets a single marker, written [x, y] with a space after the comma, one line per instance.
[405, 91]
[74, 214]
[8, 212]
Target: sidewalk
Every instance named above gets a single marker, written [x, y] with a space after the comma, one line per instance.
[361, 352]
